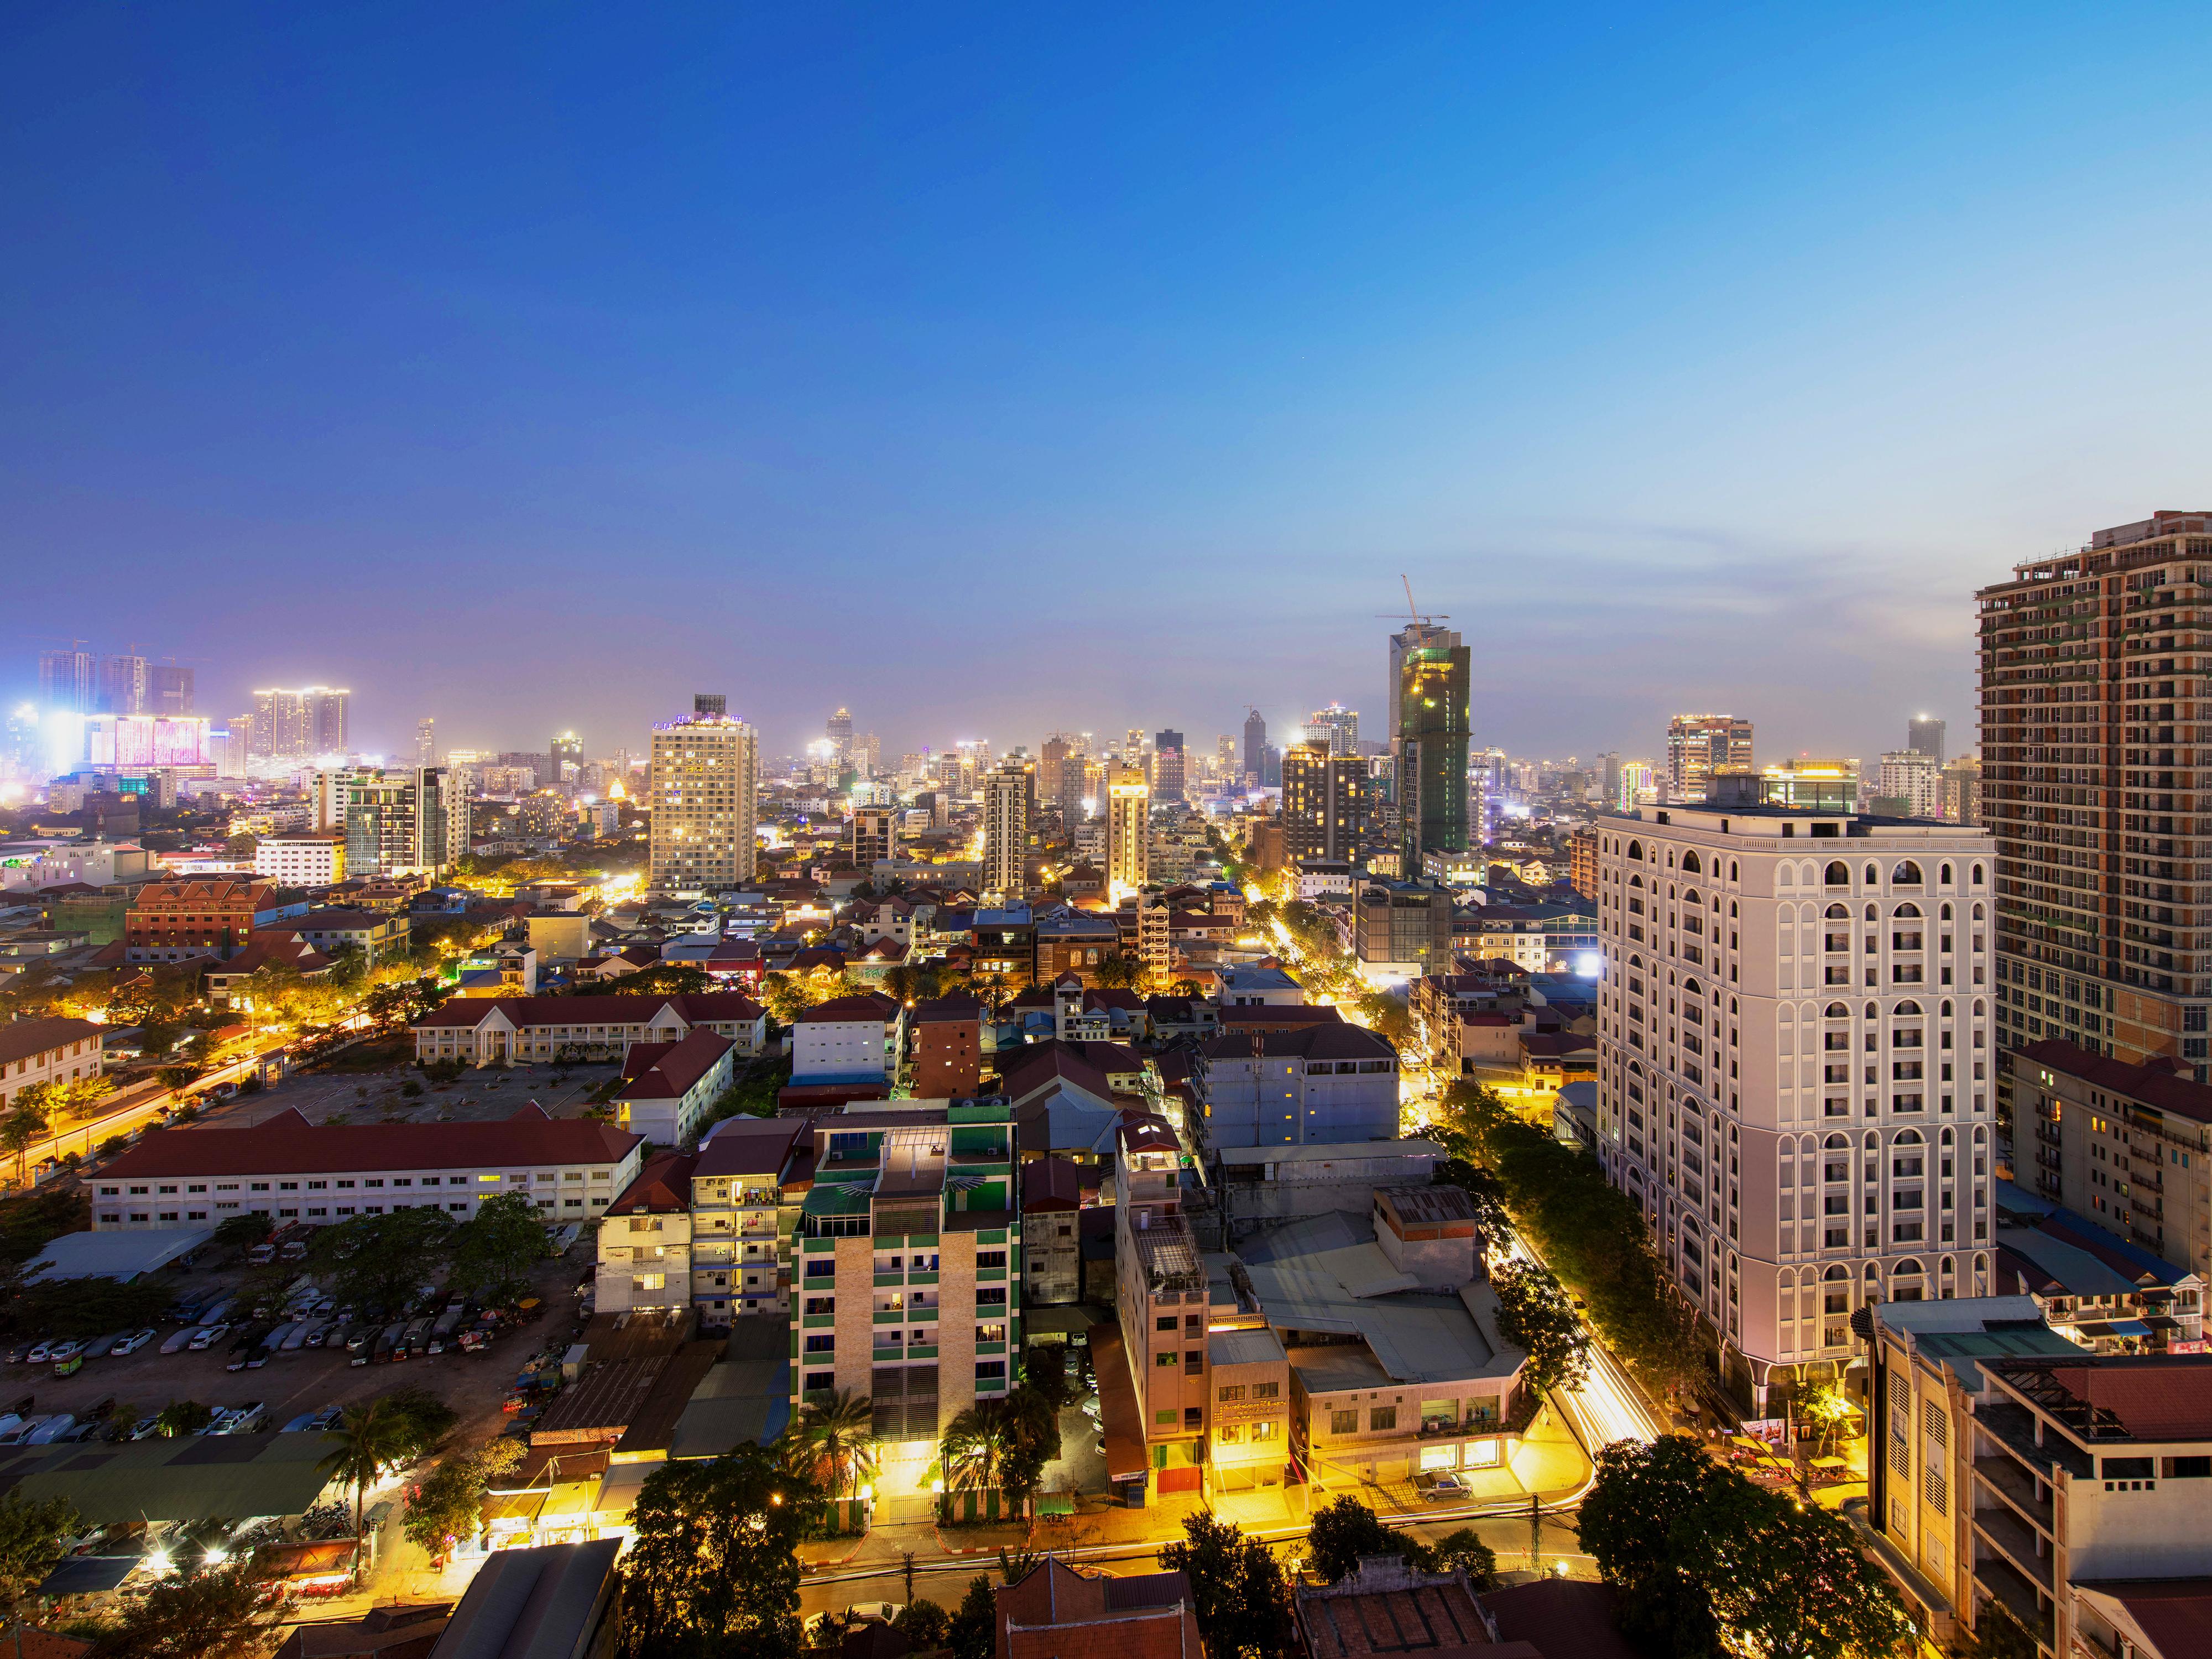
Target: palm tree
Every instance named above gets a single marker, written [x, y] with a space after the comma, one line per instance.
[977, 1445]
[837, 1438]
[371, 1438]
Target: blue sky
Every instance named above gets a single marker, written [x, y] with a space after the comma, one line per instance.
[995, 369]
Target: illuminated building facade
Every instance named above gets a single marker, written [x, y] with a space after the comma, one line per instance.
[703, 797]
[292, 725]
[1433, 714]
[1008, 798]
[1699, 745]
[1794, 1052]
[1128, 829]
[2094, 685]
[1327, 802]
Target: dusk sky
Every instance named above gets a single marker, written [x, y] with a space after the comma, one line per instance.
[991, 370]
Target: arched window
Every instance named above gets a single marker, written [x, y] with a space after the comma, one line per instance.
[1783, 877]
[1838, 1143]
[1944, 914]
[1636, 881]
[1671, 858]
[1838, 875]
[1732, 869]
[1873, 876]
[1980, 1135]
[1978, 875]
[1907, 910]
[1909, 1138]
[1949, 1271]
[1947, 1138]
[1690, 865]
[1978, 1007]
[1945, 1011]
[1873, 1010]
[1981, 1264]
[1837, 1011]
[1839, 913]
[1978, 913]
[1873, 1141]
[1945, 879]
[1690, 896]
[1908, 1008]
[1635, 850]
[1732, 912]
[1837, 1272]
[1871, 914]
[1906, 874]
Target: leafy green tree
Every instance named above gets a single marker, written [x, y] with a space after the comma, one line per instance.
[713, 1569]
[1238, 1592]
[493, 1251]
[924, 1623]
[446, 1509]
[426, 1419]
[1705, 1561]
[1627, 1522]
[1342, 1531]
[25, 1121]
[1534, 1314]
[372, 1439]
[180, 1418]
[1464, 1551]
[243, 1231]
[974, 1631]
[227, 1611]
[1001, 1444]
[381, 1262]
[1120, 971]
[1830, 1408]
[31, 1535]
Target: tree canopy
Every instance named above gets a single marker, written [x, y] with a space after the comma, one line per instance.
[1706, 1562]
[1238, 1591]
[1533, 1314]
[713, 1569]
[382, 1261]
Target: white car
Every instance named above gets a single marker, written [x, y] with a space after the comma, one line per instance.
[875, 1613]
[133, 1342]
[206, 1337]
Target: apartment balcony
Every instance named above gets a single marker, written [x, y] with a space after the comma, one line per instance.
[1996, 1578]
[2006, 1480]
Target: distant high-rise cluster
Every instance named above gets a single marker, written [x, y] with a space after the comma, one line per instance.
[1700, 746]
[294, 725]
[77, 682]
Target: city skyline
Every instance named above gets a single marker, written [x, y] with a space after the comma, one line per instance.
[1050, 292]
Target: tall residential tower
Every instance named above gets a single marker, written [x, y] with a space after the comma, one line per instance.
[703, 797]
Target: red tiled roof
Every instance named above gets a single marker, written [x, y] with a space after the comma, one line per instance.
[662, 1188]
[1562, 1618]
[20, 1039]
[1051, 1183]
[693, 1007]
[956, 1006]
[278, 947]
[289, 1145]
[748, 1145]
[670, 1071]
[2168, 1398]
[2154, 1084]
[1323, 1013]
[2175, 1614]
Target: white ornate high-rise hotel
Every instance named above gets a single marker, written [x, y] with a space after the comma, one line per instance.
[1795, 1076]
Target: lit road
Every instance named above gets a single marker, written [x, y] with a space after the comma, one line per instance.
[1608, 1405]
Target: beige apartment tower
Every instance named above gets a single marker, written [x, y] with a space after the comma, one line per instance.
[703, 798]
[1128, 829]
[1008, 794]
[2096, 770]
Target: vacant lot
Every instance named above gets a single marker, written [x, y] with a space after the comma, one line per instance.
[377, 1097]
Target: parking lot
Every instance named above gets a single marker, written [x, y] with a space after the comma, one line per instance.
[306, 1379]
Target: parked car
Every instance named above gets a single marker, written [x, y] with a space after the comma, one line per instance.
[319, 1422]
[146, 1428]
[44, 1350]
[204, 1338]
[23, 1431]
[19, 1351]
[238, 1419]
[67, 1349]
[876, 1612]
[386, 1341]
[130, 1344]
[49, 1430]
[179, 1341]
[1443, 1489]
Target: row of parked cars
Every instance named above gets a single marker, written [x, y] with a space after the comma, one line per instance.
[67, 1354]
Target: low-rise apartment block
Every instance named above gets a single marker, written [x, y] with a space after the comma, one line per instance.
[855, 1039]
[519, 1031]
[306, 858]
[377, 935]
[289, 1170]
[668, 1088]
[1290, 1086]
[2127, 1145]
[43, 1051]
[644, 1241]
[203, 917]
[750, 1179]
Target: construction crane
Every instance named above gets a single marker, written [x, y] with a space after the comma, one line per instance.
[1419, 618]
